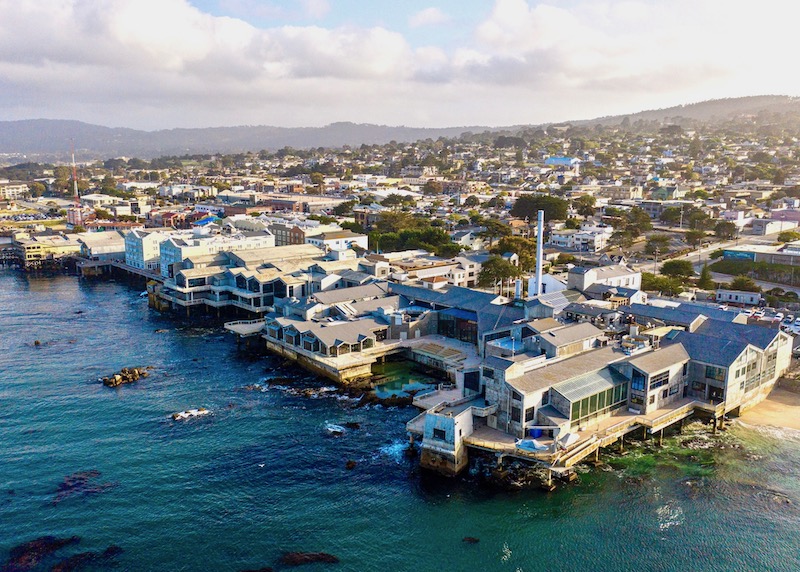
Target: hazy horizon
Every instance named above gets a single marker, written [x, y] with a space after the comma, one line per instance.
[164, 64]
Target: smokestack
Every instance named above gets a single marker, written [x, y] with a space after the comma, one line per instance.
[539, 241]
[518, 289]
[531, 286]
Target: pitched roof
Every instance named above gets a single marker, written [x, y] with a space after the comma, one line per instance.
[356, 293]
[550, 375]
[660, 359]
[708, 349]
[589, 384]
[759, 336]
[571, 334]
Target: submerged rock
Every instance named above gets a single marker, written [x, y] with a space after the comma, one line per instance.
[264, 569]
[93, 559]
[350, 465]
[79, 484]
[298, 558]
[126, 375]
[28, 555]
[352, 425]
[470, 540]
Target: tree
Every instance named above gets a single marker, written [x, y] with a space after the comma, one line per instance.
[694, 237]
[572, 223]
[522, 247]
[584, 205]
[745, 284]
[344, 209]
[788, 236]
[705, 281]
[727, 230]
[658, 242]
[496, 269]
[677, 268]
[529, 206]
[471, 202]
[37, 189]
[493, 228]
[664, 284]
[432, 188]
[670, 216]
[564, 258]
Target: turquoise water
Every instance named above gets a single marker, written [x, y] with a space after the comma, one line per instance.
[260, 477]
[401, 377]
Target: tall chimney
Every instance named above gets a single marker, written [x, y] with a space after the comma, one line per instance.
[518, 289]
[539, 241]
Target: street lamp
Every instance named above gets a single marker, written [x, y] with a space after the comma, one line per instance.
[655, 264]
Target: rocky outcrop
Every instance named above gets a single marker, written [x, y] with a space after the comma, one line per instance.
[298, 558]
[88, 559]
[81, 483]
[27, 556]
[126, 375]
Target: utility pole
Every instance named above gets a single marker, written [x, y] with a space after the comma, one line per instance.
[655, 264]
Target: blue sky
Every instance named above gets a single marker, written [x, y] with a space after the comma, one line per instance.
[196, 63]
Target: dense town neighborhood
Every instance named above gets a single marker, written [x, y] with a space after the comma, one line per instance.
[570, 284]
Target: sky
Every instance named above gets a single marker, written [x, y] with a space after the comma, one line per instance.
[155, 64]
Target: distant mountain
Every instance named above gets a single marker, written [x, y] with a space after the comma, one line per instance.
[711, 111]
[48, 139]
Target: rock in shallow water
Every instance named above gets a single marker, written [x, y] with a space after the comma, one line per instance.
[28, 555]
[83, 559]
[298, 558]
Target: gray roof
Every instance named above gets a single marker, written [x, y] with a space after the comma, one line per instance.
[588, 309]
[589, 384]
[759, 336]
[707, 349]
[498, 363]
[550, 375]
[571, 334]
[377, 290]
[660, 359]
[544, 325]
[556, 300]
[669, 316]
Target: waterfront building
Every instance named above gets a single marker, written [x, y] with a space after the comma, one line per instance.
[143, 248]
[11, 190]
[39, 251]
[103, 245]
[182, 246]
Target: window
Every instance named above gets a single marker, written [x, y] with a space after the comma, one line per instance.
[674, 389]
[516, 414]
[516, 396]
[685, 368]
[529, 414]
[546, 397]
[717, 373]
[652, 399]
[488, 372]
[658, 380]
[637, 380]
[439, 434]
[664, 394]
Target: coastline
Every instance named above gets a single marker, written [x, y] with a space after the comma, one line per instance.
[780, 409]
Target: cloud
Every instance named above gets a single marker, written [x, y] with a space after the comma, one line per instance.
[428, 17]
[165, 63]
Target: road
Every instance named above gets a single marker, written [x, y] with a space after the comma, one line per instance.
[717, 277]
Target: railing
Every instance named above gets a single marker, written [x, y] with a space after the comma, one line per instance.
[244, 322]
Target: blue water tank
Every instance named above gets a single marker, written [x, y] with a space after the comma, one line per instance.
[535, 433]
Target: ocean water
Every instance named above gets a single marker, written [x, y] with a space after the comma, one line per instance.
[260, 477]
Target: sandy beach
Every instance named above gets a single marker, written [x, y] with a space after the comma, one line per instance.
[780, 409]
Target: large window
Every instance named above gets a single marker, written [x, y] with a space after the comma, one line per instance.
[638, 380]
[516, 414]
[717, 373]
[601, 402]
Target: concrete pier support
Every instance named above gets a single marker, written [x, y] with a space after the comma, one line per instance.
[622, 444]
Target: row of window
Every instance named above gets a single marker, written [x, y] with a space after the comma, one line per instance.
[598, 403]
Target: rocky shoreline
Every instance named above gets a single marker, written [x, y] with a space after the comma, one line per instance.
[126, 375]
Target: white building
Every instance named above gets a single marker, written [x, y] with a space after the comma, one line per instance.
[339, 240]
[177, 248]
[617, 275]
[12, 191]
[143, 248]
